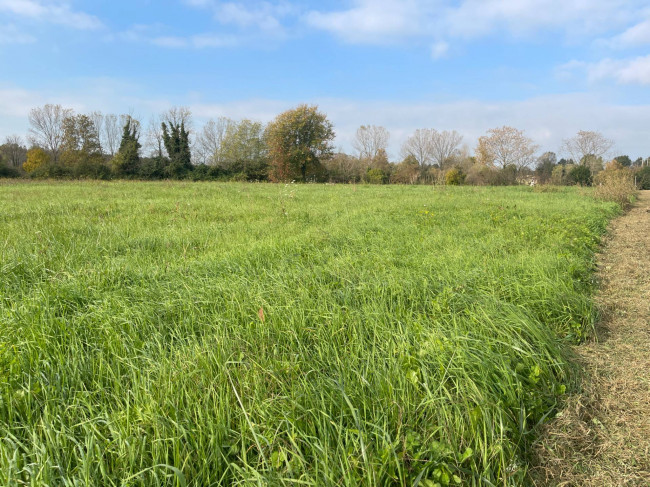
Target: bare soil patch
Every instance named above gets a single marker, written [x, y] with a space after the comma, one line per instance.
[602, 436]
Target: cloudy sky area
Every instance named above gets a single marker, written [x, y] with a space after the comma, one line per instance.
[551, 67]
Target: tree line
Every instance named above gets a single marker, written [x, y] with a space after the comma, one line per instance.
[296, 146]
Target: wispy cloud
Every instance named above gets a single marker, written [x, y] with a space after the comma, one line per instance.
[154, 35]
[263, 17]
[10, 34]
[381, 21]
[199, 41]
[59, 13]
[622, 71]
[635, 36]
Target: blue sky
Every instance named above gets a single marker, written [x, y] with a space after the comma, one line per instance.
[550, 67]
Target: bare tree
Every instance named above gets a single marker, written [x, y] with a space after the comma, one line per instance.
[420, 146]
[209, 142]
[176, 116]
[154, 141]
[505, 146]
[97, 119]
[46, 127]
[586, 145]
[111, 134]
[370, 139]
[445, 145]
[14, 150]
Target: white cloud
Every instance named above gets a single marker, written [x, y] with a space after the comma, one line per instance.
[152, 34]
[53, 12]
[474, 18]
[381, 21]
[10, 34]
[637, 35]
[198, 41]
[373, 21]
[262, 16]
[622, 71]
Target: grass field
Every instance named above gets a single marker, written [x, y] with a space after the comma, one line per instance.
[243, 334]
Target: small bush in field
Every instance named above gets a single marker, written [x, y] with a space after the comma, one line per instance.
[580, 175]
[454, 177]
[616, 184]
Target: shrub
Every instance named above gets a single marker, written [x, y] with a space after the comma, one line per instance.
[8, 171]
[580, 175]
[480, 175]
[36, 158]
[51, 171]
[375, 176]
[615, 184]
[454, 177]
[560, 173]
[643, 178]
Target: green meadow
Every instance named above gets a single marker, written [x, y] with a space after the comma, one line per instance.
[206, 334]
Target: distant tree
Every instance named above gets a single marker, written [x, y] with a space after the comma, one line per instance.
[209, 142]
[46, 127]
[178, 115]
[454, 177]
[298, 140]
[154, 140]
[110, 134]
[177, 144]
[643, 177]
[378, 168]
[243, 150]
[36, 158]
[375, 176]
[580, 175]
[13, 152]
[420, 145]
[369, 140]
[97, 119]
[407, 171]
[594, 163]
[624, 161]
[445, 147]
[343, 168]
[80, 143]
[127, 159]
[545, 165]
[505, 146]
[587, 144]
[380, 161]
[560, 172]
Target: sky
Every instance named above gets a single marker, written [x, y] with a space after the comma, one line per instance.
[549, 67]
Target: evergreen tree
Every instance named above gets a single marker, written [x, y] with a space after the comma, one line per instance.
[177, 144]
[127, 159]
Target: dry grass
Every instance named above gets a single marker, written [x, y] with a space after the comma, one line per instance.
[602, 436]
[615, 184]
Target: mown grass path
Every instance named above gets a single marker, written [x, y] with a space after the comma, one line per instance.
[603, 437]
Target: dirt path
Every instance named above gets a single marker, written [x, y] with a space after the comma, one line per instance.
[602, 438]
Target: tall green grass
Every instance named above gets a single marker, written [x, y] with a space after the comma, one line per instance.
[241, 334]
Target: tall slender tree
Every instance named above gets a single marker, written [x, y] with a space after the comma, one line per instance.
[177, 144]
[127, 159]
